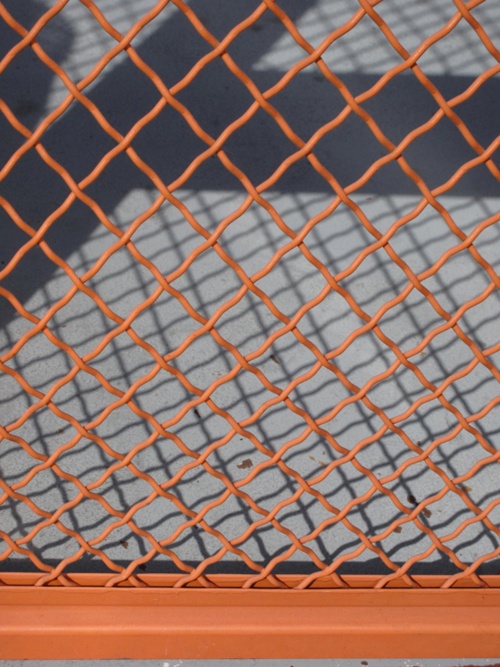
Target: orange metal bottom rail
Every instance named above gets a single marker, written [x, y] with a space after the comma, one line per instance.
[155, 623]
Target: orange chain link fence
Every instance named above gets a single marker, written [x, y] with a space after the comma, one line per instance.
[250, 309]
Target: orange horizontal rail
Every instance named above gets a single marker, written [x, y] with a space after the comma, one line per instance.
[152, 623]
[18, 580]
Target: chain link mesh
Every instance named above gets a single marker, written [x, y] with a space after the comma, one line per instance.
[257, 439]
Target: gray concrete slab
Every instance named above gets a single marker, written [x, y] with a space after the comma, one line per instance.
[171, 46]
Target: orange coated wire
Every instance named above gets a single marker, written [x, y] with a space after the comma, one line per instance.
[255, 193]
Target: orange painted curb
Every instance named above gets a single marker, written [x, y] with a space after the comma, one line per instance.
[153, 623]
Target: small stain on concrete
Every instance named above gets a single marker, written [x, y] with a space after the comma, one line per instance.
[245, 464]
